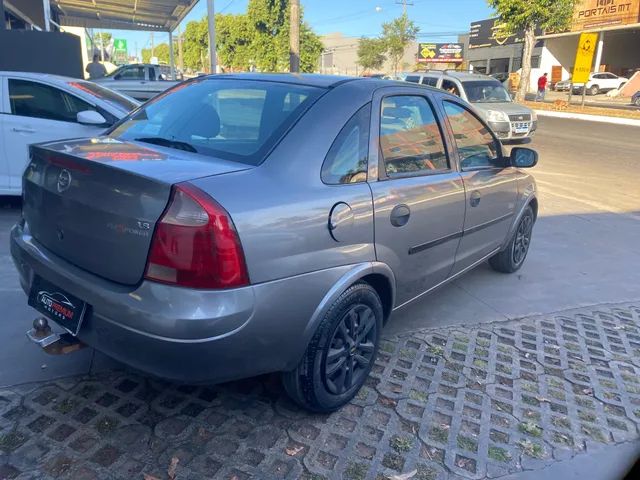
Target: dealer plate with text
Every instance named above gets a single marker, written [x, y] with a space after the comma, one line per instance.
[60, 306]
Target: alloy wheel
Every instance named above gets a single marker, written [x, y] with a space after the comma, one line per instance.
[351, 350]
[522, 240]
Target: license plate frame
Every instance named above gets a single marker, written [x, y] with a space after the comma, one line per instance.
[55, 303]
[520, 129]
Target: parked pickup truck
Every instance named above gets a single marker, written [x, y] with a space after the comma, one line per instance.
[140, 81]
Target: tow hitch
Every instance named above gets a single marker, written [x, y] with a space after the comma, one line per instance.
[53, 343]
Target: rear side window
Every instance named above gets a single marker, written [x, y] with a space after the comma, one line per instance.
[410, 137]
[233, 119]
[346, 161]
[37, 100]
[413, 79]
[431, 81]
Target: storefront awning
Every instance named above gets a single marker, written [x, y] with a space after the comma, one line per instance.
[159, 15]
[630, 26]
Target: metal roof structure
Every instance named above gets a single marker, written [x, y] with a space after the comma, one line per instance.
[150, 15]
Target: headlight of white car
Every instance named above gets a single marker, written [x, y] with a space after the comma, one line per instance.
[534, 116]
[497, 116]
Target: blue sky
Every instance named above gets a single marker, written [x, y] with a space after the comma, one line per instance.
[437, 19]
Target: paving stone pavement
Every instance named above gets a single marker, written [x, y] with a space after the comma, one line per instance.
[467, 402]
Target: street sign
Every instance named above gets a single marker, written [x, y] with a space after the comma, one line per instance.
[584, 57]
[120, 44]
[440, 52]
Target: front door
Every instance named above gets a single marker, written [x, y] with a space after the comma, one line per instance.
[491, 187]
[419, 196]
[38, 113]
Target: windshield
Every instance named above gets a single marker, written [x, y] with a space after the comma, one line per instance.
[122, 102]
[486, 92]
[233, 119]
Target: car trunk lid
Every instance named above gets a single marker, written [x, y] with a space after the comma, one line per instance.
[95, 202]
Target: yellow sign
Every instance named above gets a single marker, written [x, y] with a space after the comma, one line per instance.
[584, 57]
[591, 14]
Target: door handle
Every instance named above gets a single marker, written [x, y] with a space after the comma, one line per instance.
[23, 130]
[474, 200]
[400, 215]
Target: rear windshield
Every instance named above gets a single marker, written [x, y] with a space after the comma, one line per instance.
[490, 91]
[233, 119]
[116, 99]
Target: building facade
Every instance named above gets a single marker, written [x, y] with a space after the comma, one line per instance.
[617, 23]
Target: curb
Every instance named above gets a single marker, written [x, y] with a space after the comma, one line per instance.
[591, 118]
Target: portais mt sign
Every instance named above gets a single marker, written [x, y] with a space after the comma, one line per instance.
[593, 14]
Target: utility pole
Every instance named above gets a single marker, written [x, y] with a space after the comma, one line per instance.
[211, 16]
[404, 4]
[294, 37]
[151, 46]
[180, 64]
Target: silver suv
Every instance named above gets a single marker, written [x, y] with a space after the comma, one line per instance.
[246, 224]
[509, 120]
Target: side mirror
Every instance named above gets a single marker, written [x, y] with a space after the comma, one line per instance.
[523, 157]
[90, 117]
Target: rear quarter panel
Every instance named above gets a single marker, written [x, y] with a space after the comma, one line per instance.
[281, 208]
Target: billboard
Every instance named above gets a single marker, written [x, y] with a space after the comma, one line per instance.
[590, 14]
[491, 33]
[440, 52]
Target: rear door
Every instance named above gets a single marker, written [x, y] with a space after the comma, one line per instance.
[419, 196]
[38, 112]
[491, 187]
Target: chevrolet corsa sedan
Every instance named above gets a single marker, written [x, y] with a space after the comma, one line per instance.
[245, 224]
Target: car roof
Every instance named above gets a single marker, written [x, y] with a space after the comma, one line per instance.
[46, 77]
[308, 79]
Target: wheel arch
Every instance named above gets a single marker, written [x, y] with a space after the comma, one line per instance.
[377, 274]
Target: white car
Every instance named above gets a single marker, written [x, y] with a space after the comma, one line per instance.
[36, 108]
[601, 82]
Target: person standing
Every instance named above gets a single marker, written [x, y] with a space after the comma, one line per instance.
[95, 69]
[542, 88]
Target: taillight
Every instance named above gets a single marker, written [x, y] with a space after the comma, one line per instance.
[195, 244]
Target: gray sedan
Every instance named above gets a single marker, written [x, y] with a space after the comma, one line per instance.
[247, 224]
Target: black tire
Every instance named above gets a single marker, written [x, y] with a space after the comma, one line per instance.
[512, 257]
[593, 90]
[637, 102]
[311, 385]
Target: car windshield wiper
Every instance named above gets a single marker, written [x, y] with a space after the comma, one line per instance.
[166, 142]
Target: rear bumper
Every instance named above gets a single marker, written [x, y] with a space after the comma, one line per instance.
[183, 334]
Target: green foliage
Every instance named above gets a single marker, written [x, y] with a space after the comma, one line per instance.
[257, 38]
[371, 53]
[397, 34]
[554, 15]
[195, 45]
[160, 51]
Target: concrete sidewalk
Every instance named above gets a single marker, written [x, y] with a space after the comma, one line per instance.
[472, 402]
[592, 118]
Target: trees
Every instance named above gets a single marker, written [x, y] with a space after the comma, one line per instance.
[397, 34]
[257, 38]
[195, 44]
[371, 53]
[526, 15]
[160, 51]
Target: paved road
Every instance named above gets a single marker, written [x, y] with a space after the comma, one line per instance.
[585, 245]
[584, 251]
